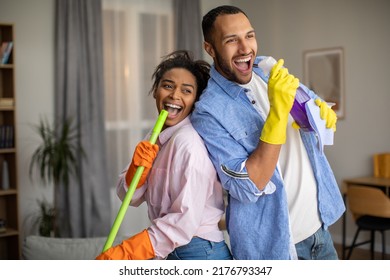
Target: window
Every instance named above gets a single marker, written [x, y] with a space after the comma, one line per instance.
[136, 35]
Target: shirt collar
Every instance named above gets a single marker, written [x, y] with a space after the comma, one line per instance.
[167, 133]
[234, 89]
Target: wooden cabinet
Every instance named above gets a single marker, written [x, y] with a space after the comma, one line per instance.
[9, 224]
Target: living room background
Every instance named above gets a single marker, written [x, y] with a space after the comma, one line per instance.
[359, 26]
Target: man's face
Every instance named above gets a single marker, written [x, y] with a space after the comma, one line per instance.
[233, 47]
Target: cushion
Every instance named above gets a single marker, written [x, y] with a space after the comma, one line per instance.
[50, 248]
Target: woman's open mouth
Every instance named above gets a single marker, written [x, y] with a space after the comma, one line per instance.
[173, 109]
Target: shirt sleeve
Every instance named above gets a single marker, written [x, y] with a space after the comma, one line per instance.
[268, 189]
[122, 188]
[228, 156]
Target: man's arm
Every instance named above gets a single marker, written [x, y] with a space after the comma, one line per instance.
[262, 162]
[282, 87]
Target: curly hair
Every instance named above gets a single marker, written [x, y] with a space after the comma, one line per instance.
[183, 59]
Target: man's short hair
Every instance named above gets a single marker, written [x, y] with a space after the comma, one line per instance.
[210, 17]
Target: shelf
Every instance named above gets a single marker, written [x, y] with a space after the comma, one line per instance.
[7, 151]
[9, 232]
[9, 239]
[8, 192]
[7, 108]
[6, 66]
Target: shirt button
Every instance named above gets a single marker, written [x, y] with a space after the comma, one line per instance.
[253, 102]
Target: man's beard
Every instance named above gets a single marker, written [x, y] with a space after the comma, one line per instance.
[227, 71]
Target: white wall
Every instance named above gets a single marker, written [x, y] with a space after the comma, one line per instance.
[284, 29]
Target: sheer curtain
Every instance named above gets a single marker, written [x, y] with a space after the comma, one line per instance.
[136, 34]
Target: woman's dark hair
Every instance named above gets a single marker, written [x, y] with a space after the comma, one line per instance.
[183, 59]
[209, 19]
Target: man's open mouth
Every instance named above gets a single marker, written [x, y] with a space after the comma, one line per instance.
[243, 64]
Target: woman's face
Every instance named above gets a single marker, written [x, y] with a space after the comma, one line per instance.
[176, 93]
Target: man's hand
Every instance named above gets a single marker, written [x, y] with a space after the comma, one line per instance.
[282, 87]
[327, 114]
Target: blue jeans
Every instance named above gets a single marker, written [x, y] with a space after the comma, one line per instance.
[319, 246]
[201, 249]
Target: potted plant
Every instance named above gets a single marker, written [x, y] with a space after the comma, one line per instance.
[55, 159]
[42, 220]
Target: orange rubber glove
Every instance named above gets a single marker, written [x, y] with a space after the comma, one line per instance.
[327, 114]
[282, 87]
[144, 155]
[137, 247]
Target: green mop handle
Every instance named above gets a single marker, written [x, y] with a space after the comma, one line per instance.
[134, 182]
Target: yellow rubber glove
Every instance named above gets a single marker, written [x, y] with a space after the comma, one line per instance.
[137, 247]
[144, 155]
[282, 87]
[295, 125]
[327, 114]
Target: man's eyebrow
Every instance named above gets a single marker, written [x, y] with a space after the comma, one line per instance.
[229, 36]
[235, 35]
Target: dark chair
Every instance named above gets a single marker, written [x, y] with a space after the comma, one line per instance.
[370, 208]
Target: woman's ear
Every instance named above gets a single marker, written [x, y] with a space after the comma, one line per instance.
[209, 49]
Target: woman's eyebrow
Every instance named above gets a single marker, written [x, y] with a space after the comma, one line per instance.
[172, 82]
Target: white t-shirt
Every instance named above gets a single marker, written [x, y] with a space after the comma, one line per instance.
[295, 168]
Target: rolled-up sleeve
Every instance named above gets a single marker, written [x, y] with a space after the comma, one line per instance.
[242, 175]
[229, 157]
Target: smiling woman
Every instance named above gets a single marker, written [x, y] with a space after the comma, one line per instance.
[179, 183]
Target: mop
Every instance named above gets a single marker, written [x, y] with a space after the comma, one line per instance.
[134, 182]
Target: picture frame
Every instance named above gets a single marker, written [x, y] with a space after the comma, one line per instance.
[323, 73]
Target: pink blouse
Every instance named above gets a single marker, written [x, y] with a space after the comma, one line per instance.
[182, 191]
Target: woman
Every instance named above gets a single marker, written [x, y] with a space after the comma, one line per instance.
[184, 196]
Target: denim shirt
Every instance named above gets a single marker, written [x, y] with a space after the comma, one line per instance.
[257, 221]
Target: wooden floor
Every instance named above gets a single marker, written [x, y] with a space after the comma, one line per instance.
[361, 254]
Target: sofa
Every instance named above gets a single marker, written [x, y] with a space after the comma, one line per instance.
[49, 248]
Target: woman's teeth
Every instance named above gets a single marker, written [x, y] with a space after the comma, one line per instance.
[172, 109]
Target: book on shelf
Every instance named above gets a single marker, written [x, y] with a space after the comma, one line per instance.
[6, 136]
[5, 51]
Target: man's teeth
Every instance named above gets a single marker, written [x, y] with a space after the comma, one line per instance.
[243, 60]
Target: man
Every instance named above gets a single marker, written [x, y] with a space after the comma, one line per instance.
[282, 192]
